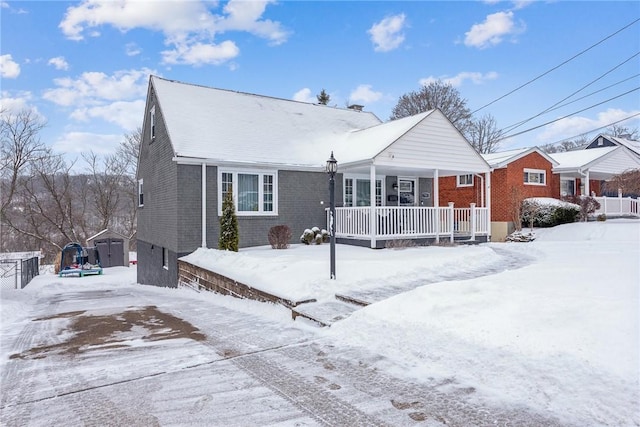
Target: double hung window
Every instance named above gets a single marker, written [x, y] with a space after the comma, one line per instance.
[357, 192]
[465, 180]
[253, 192]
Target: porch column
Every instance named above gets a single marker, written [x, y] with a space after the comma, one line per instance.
[586, 185]
[373, 222]
[204, 205]
[436, 202]
[487, 183]
[473, 221]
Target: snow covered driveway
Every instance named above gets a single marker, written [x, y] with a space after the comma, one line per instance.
[102, 351]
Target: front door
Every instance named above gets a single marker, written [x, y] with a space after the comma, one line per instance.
[407, 192]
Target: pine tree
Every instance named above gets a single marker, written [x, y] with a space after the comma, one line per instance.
[229, 236]
[323, 98]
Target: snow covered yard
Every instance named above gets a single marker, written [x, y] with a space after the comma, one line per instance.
[558, 336]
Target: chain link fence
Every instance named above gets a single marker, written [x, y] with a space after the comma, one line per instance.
[16, 273]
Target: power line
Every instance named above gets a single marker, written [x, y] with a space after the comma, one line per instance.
[593, 130]
[568, 115]
[557, 66]
[517, 125]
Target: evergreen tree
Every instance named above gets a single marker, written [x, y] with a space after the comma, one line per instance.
[229, 236]
[323, 98]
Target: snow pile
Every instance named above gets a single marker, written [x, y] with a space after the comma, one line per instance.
[561, 335]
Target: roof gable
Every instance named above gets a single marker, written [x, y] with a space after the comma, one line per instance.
[604, 160]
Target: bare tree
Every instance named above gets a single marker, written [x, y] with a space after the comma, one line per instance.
[20, 138]
[627, 182]
[567, 145]
[484, 134]
[435, 95]
[624, 132]
[105, 185]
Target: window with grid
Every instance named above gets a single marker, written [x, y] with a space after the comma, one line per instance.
[465, 180]
[535, 176]
[254, 193]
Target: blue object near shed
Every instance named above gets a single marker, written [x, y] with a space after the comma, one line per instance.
[78, 260]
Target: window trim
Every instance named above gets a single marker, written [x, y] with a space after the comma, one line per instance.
[141, 193]
[540, 172]
[261, 174]
[362, 177]
[152, 126]
[460, 184]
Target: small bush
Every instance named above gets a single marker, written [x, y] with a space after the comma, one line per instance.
[602, 217]
[588, 205]
[307, 236]
[325, 236]
[317, 239]
[279, 236]
[535, 214]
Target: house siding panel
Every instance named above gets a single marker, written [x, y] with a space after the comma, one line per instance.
[190, 206]
[159, 174]
[444, 146]
[151, 271]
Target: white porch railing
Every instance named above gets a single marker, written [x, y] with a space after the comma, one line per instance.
[395, 222]
[623, 206]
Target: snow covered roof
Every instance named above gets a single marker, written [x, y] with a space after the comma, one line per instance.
[605, 161]
[503, 158]
[229, 126]
[630, 144]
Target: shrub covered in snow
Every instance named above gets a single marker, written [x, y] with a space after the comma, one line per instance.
[547, 212]
[279, 236]
[520, 236]
[314, 235]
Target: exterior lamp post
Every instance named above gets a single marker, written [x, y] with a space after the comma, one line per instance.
[332, 168]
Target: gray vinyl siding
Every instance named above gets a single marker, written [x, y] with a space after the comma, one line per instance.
[190, 206]
[150, 269]
[605, 143]
[157, 219]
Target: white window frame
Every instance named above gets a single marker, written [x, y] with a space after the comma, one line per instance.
[152, 123]
[361, 177]
[165, 258]
[140, 193]
[540, 172]
[261, 174]
[459, 182]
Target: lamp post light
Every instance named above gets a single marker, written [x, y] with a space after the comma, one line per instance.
[332, 168]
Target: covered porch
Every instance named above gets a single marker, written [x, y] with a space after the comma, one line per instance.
[388, 183]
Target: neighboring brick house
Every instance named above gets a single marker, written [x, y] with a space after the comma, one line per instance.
[198, 143]
[529, 172]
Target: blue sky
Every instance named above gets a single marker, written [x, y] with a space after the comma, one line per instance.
[84, 66]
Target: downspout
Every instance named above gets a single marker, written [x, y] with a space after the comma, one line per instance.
[204, 205]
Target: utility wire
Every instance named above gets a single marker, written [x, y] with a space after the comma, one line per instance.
[593, 130]
[568, 115]
[557, 66]
[517, 125]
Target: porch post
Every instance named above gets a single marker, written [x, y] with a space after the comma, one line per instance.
[586, 185]
[451, 221]
[436, 202]
[487, 183]
[473, 221]
[372, 190]
[204, 205]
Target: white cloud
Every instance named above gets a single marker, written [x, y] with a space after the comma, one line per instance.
[304, 95]
[199, 53]
[93, 88]
[59, 62]
[19, 102]
[9, 69]
[459, 79]
[576, 125]
[79, 142]
[132, 49]
[127, 115]
[492, 31]
[364, 93]
[387, 34]
[189, 27]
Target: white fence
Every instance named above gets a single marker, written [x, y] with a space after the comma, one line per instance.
[618, 206]
[395, 222]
